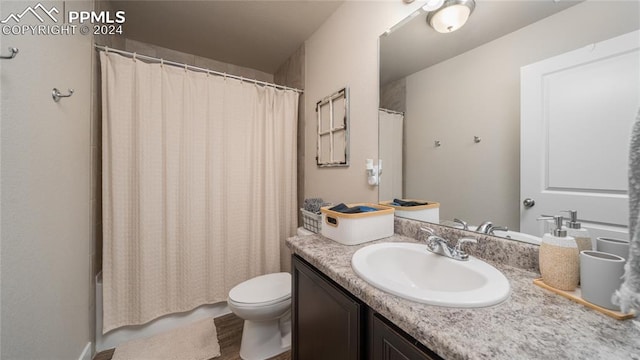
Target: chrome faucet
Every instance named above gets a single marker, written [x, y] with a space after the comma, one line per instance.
[487, 227]
[428, 230]
[497, 228]
[440, 246]
[464, 224]
[484, 227]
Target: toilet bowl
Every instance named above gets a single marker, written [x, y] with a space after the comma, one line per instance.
[264, 303]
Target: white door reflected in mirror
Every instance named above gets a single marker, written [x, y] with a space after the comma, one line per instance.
[584, 167]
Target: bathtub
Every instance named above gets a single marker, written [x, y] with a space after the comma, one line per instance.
[123, 334]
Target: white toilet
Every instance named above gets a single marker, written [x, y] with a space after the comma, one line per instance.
[264, 303]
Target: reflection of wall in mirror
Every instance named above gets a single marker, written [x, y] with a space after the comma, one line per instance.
[478, 94]
[344, 52]
[393, 95]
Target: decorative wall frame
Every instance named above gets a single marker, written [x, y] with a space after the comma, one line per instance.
[332, 113]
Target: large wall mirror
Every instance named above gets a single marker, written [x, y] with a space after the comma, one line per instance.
[457, 99]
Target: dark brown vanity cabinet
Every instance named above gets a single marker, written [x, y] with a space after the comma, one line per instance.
[389, 343]
[331, 324]
[327, 321]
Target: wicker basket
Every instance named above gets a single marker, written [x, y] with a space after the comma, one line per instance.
[311, 221]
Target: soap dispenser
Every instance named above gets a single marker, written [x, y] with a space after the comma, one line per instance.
[559, 258]
[574, 229]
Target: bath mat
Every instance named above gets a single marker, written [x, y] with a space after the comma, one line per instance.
[197, 341]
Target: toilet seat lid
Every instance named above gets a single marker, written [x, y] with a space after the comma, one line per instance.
[262, 289]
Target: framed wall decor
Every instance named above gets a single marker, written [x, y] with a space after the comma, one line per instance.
[332, 113]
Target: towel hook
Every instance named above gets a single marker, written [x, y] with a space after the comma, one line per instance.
[13, 51]
[55, 93]
[476, 139]
[437, 143]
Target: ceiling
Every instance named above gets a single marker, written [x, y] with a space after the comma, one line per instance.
[256, 34]
[413, 45]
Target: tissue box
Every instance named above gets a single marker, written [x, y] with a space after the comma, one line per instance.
[428, 213]
[354, 229]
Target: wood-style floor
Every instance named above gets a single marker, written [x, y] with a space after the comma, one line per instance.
[229, 328]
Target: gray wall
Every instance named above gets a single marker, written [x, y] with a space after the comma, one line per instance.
[478, 94]
[393, 95]
[190, 59]
[1, 47]
[291, 74]
[45, 186]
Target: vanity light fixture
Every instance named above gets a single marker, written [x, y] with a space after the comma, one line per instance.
[451, 16]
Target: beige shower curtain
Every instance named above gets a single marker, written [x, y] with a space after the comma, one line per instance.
[390, 143]
[199, 186]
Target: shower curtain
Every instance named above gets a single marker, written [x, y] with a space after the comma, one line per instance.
[199, 186]
[390, 143]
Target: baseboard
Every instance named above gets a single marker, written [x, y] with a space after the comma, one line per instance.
[86, 353]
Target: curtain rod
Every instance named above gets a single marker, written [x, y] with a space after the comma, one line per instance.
[391, 111]
[191, 67]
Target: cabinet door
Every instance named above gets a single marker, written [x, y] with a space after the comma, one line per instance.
[579, 108]
[326, 319]
[387, 343]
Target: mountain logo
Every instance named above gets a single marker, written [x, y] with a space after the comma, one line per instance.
[34, 11]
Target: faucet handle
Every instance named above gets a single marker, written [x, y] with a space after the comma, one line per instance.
[498, 228]
[440, 246]
[428, 230]
[464, 224]
[484, 227]
[463, 241]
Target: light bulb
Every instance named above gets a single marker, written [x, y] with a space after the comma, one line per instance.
[450, 18]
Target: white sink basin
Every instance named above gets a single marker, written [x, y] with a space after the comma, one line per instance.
[410, 271]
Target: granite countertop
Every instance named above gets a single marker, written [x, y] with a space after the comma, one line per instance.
[532, 324]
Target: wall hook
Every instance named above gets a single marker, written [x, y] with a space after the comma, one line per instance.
[14, 52]
[437, 143]
[476, 139]
[55, 93]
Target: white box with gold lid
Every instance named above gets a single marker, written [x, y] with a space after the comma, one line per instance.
[354, 229]
[429, 212]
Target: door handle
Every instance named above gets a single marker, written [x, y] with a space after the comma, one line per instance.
[528, 203]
